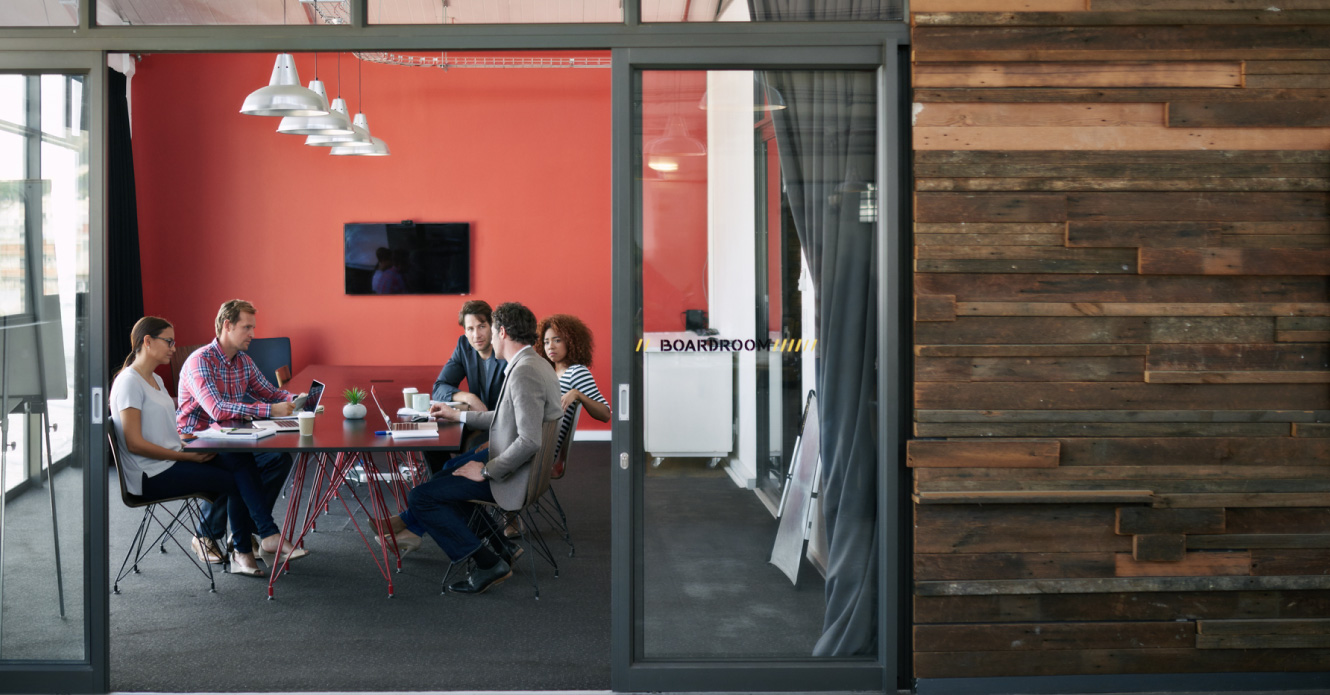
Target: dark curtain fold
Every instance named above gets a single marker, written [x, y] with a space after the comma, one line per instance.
[124, 277]
[827, 141]
[825, 10]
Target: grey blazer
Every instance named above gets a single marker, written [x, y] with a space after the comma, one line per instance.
[530, 397]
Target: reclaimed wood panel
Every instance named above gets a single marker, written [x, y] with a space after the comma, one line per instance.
[1065, 266]
[1241, 377]
[1020, 454]
[1138, 17]
[1247, 114]
[1029, 350]
[1196, 452]
[1189, 416]
[1259, 541]
[990, 207]
[1138, 5]
[1278, 521]
[1243, 499]
[1197, 206]
[1140, 309]
[1073, 138]
[1056, 238]
[1267, 163]
[1114, 585]
[1302, 329]
[1287, 81]
[1135, 520]
[1111, 428]
[1272, 561]
[1284, 357]
[1229, 261]
[979, 330]
[933, 567]
[1200, 183]
[993, 230]
[1286, 67]
[1016, 528]
[1096, 288]
[1104, 661]
[1198, 605]
[938, 307]
[1059, 497]
[1118, 38]
[1106, 95]
[1310, 477]
[1009, 253]
[1053, 636]
[1124, 396]
[1040, 115]
[1029, 369]
[1206, 564]
[1154, 547]
[1311, 429]
[1263, 642]
[1105, 74]
[997, 5]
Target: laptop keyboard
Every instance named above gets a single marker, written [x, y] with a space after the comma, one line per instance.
[287, 423]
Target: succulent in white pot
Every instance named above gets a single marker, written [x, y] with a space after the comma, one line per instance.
[355, 406]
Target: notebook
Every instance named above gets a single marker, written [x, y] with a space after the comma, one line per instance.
[404, 430]
[250, 433]
[291, 424]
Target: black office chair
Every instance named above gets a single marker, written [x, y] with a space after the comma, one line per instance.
[547, 507]
[270, 355]
[496, 518]
[186, 517]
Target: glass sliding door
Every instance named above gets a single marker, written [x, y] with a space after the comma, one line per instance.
[50, 566]
[747, 277]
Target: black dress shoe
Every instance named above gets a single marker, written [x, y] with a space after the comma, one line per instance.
[510, 552]
[480, 581]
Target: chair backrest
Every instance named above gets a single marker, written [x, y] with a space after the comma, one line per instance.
[129, 498]
[178, 362]
[561, 456]
[283, 375]
[269, 354]
[543, 462]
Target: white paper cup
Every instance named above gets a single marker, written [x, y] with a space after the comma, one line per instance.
[306, 420]
[421, 402]
[408, 395]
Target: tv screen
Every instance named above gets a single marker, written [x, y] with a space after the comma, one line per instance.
[408, 258]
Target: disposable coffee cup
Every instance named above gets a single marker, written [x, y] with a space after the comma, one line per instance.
[421, 401]
[306, 420]
[408, 395]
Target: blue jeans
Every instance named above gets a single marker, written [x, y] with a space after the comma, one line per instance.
[250, 512]
[412, 522]
[440, 508]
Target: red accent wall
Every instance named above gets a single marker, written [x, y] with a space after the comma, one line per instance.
[229, 208]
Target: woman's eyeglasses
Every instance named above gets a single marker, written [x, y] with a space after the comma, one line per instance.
[170, 342]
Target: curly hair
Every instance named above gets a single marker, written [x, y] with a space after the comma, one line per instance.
[576, 338]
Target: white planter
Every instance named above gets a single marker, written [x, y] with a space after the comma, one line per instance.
[353, 412]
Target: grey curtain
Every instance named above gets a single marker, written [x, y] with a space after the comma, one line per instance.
[124, 281]
[827, 141]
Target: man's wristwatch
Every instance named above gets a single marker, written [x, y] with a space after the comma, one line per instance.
[485, 472]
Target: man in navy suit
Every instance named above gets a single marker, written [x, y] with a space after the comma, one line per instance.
[474, 360]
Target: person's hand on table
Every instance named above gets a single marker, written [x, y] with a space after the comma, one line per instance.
[443, 411]
[471, 470]
[281, 409]
[471, 401]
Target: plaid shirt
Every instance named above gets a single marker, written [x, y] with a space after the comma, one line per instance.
[213, 388]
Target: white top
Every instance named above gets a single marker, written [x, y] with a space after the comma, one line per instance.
[156, 419]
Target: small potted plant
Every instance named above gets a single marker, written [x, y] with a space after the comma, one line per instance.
[355, 406]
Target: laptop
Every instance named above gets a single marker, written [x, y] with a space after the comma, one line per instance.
[403, 430]
[306, 403]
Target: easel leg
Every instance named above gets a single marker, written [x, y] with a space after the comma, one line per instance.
[47, 426]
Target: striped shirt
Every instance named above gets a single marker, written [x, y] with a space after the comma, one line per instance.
[213, 388]
[576, 377]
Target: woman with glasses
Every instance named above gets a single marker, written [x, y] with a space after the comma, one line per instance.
[155, 463]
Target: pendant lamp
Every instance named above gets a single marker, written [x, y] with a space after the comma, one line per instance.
[772, 101]
[284, 96]
[337, 122]
[663, 152]
[370, 147]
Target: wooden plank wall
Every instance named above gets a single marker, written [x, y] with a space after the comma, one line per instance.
[1121, 455]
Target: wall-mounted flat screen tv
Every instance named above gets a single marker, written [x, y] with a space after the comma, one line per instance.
[408, 258]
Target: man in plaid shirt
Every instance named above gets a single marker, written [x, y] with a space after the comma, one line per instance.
[220, 382]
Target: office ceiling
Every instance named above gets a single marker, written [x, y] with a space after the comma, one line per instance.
[211, 12]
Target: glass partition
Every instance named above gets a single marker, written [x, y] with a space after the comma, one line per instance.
[744, 179]
[490, 12]
[39, 13]
[771, 10]
[44, 249]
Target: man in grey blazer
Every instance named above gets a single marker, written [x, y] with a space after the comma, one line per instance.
[530, 397]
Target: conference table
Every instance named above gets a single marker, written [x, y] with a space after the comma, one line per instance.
[338, 445]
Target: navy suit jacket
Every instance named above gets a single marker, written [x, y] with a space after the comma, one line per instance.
[467, 364]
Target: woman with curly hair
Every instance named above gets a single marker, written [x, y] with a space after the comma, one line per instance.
[566, 342]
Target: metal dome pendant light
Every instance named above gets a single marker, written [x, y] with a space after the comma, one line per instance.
[284, 96]
[370, 146]
[353, 133]
[334, 123]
